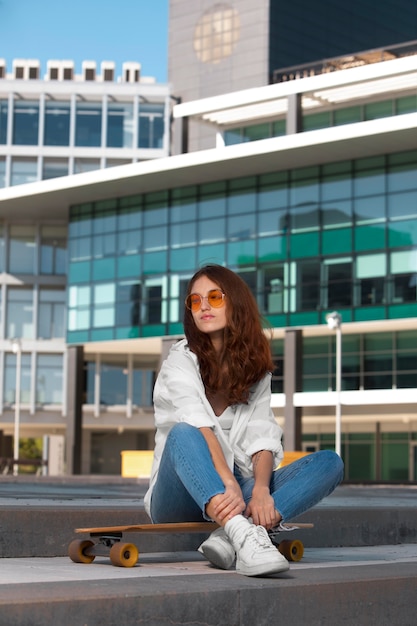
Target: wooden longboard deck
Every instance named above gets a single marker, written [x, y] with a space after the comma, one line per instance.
[172, 527]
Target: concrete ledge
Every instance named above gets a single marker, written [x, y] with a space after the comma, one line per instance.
[383, 594]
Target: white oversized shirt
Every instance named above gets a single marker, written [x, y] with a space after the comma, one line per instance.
[179, 396]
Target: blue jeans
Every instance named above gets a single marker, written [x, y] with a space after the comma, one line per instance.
[187, 480]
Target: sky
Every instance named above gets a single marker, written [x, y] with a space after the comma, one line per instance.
[86, 30]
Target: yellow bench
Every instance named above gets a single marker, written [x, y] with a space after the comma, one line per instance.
[138, 463]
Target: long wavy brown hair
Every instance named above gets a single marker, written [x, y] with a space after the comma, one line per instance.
[246, 355]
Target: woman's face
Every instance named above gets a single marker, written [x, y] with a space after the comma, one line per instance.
[208, 319]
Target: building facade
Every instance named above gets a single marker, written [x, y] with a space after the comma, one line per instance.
[63, 123]
[319, 219]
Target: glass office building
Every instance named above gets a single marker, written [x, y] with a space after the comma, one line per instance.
[319, 218]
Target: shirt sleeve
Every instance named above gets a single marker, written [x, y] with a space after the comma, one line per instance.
[179, 393]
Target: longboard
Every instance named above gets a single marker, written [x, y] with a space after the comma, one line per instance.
[107, 541]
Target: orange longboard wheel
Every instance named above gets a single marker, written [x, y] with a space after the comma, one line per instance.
[77, 551]
[293, 550]
[124, 554]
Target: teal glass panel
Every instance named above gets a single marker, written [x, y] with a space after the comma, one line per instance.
[128, 266]
[402, 205]
[401, 234]
[304, 193]
[272, 249]
[399, 311]
[256, 132]
[406, 105]
[316, 345]
[316, 366]
[394, 461]
[279, 128]
[102, 334]
[316, 121]
[183, 210]
[360, 461]
[241, 253]
[104, 269]
[241, 226]
[370, 237]
[104, 220]
[243, 201]
[277, 321]
[153, 330]
[377, 110]
[349, 115]
[78, 336]
[127, 333]
[183, 234]
[212, 206]
[369, 313]
[156, 213]
[377, 342]
[155, 262]
[304, 245]
[79, 272]
[274, 179]
[215, 253]
[175, 329]
[336, 241]
[350, 343]
[304, 319]
[407, 340]
[182, 259]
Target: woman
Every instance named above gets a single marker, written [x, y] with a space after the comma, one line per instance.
[217, 441]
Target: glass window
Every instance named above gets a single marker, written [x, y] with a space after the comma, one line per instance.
[57, 123]
[402, 205]
[22, 250]
[2, 258]
[25, 123]
[371, 270]
[256, 132]
[279, 128]
[308, 286]
[10, 379]
[212, 206]
[316, 120]
[404, 271]
[273, 295]
[143, 381]
[23, 171]
[53, 250]
[401, 234]
[183, 234]
[51, 318]
[183, 209]
[128, 303]
[4, 108]
[2, 173]
[377, 110]
[233, 136]
[85, 165]
[54, 168]
[129, 242]
[369, 210]
[151, 125]
[402, 176]
[406, 105]
[212, 231]
[349, 115]
[275, 197]
[339, 283]
[49, 379]
[113, 382]
[119, 125]
[241, 226]
[272, 222]
[19, 313]
[88, 124]
[336, 184]
[369, 177]
[304, 193]
[242, 200]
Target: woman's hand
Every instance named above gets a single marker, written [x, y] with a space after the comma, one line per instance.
[223, 506]
[261, 508]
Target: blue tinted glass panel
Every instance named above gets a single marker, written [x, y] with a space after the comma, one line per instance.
[151, 125]
[25, 123]
[88, 125]
[211, 231]
[402, 205]
[241, 253]
[183, 259]
[241, 226]
[211, 254]
[57, 123]
[370, 209]
[183, 234]
[336, 213]
[119, 125]
[155, 262]
[272, 249]
[4, 108]
[103, 269]
[129, 266]
[24, 171]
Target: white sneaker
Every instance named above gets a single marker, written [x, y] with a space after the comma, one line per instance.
[256, 555]
[218, 550]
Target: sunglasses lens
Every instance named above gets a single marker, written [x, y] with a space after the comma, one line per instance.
[215, 298]
[194, 302]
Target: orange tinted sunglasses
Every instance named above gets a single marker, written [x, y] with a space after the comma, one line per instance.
[215, 299]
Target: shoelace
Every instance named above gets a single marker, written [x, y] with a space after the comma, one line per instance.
[259, 535]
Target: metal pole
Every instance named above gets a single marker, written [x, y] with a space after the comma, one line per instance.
[18, 351]
[338, 444]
